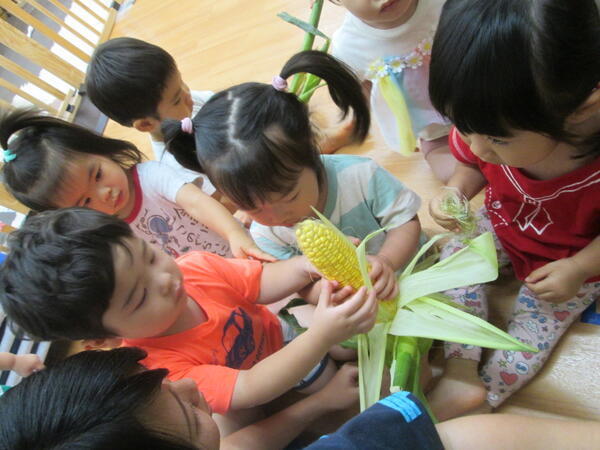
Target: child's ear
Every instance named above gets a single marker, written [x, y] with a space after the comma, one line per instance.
[147, 125]
[587, 109]
[95, 344]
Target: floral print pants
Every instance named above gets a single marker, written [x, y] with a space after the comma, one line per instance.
[533, 321]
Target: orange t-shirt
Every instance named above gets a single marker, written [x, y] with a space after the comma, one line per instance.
[237, 334]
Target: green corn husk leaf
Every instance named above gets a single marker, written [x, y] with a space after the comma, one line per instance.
[456, 206]
[371, 356]
[474, 264]
[427, 317]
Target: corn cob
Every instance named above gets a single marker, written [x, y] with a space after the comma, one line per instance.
[335, 257]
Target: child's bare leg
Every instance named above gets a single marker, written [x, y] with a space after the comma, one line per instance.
[333, 140]
[458, 391]
[440, 159]
[339, 353]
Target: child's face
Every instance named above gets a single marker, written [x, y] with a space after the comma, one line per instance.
[176, 102]
[182, 410]
[382, 14]
[523, 149]
[96, 182]
[149, 295]
[289, 209]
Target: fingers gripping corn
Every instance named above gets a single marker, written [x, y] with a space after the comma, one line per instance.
[335, 257]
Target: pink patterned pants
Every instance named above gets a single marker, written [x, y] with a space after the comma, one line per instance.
[533, 321]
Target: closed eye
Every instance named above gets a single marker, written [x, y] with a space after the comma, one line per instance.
[141, 302]
[99, 174]
[496, 141]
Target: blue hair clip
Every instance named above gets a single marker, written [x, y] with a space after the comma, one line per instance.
[8, 155]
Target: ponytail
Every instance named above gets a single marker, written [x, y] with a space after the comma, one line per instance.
[344, 87]
[254, 139]
[180, 144]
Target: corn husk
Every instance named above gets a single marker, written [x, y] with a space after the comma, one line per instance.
[424, 314]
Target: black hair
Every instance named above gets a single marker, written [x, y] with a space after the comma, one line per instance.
[43, 147]
[126, 78]
[253, 140]
[58, 276]
[92, 400]
[516, 64]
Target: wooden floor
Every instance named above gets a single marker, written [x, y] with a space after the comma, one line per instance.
[220, 43]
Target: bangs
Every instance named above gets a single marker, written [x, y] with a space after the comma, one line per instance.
[482, 75]
[250, 173]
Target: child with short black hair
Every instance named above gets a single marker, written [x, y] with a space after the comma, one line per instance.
[138, 84]
[50, 163]
[77, 273]
[519, 78]
[255, 142]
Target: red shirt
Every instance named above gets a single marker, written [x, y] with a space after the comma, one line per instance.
[538, 221]
[237, 334]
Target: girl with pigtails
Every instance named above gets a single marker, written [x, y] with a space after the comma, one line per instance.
[256, 144]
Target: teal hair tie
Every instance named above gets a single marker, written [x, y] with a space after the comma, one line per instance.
[8, 155]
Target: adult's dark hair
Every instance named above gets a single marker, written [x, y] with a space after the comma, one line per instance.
[44, 147]
[126, 78]
[92, 400]
[253, 140]
[58, 276]
[516, 64]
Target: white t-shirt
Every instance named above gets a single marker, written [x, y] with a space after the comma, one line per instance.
[156, 217]
[363, 47]
[158, 147]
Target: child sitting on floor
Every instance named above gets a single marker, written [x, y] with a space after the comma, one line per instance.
[50, 163]
[255, 143]
[138, 84]
[80, 274]
[519, 78]
[388, 44]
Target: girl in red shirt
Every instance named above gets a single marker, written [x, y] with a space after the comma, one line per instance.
[519, 80]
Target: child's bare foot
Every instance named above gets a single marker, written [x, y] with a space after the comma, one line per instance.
[337, 139]
[458, 391]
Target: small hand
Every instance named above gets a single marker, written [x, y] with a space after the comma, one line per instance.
[338, 322]
[27, 364]
[342, 390]
[242, 246]
[557, 281]
[437, 214]
[383, 277]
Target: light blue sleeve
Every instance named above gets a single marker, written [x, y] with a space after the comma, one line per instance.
[277, 244]
[391, 202]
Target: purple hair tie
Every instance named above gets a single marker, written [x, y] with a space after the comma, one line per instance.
[187, 126]
[279, 83]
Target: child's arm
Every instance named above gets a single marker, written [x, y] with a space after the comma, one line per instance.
[281, 371]
[215, 215]
[282, 278]
[278, 430]
[560, 280]
[469, 180]
[24, 365]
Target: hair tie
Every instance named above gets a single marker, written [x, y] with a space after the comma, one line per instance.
[279, 83]
[8, 155]
[187, 126]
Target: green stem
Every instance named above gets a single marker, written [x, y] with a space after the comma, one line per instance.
[309, 39]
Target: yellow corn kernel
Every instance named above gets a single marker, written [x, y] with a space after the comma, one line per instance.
[335, 257]
[330, 253]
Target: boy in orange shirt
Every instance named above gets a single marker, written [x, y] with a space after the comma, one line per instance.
[81, 274]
